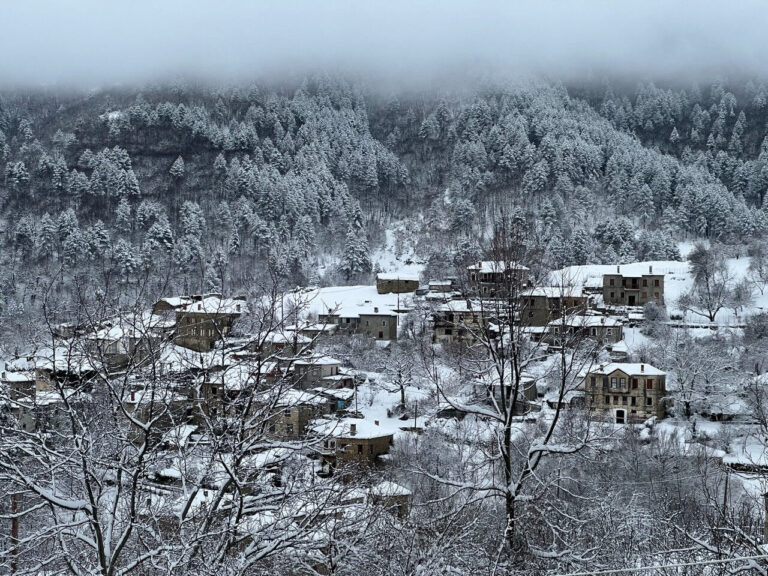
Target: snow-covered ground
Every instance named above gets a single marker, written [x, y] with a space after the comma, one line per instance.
[397, 254]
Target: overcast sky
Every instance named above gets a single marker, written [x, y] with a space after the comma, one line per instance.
[89, 43]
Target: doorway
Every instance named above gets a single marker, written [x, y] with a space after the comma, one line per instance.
[631, 300]
[620, 416]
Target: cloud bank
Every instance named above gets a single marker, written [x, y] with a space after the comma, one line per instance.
[88, 43]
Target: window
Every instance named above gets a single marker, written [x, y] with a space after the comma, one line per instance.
[359, 448]
[383, 322]
[612, 283]
[649, 384]
[622, 382]
[289, 428]
[272, 428]
[594, 331]
[530, 314]
[593, 381]
[624, 400]
[622, 294]
[649, 401]
[613, 382]
[448, 332]
[607, 399]
[633, 401]
[645, 294]
[615, 399]
[634, 383]
[214, 391]
[656, 294]
[609, 331]
[613, 295]
[645, 281]
[656, 282]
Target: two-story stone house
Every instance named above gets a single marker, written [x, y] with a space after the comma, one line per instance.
[378, 323]
[633, 290]
[491, 278]
[602, 329]
[202, 322]
[625, 392]
[320, 371]
[539, 306]
[457, 321]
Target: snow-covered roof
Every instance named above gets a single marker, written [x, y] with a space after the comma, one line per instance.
[18, 376]
[630, 369]
[554, 292]
[351, 301]
[489, 266]
[365, 429]
[387, 488]
[337, 393]
[176, 301]
[320, 360]
[620, 346]
[590, 321]
[238, 376]
[216, 305]
[179, 435]
[397, 276]
[291, 397]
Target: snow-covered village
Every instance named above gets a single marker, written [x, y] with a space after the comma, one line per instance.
[332, 288]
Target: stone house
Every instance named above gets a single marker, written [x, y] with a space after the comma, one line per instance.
[490, 278]
[457, 321]
[527, 391]
[204, 321]
[378, 323]
[292, 411]
[396, 283]
[602, 329]
[626, 393]
[356, 443]
[322, 371]
[539, 306]
[633, 290]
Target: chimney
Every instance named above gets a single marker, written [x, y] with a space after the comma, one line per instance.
[133, 396]
[650, 269]
[479, 264]
[618, 269]
[4, 376]
[376, 422]
[237, 307]
[376, 310]
[352, 429]
[199, 307]
[642, 367]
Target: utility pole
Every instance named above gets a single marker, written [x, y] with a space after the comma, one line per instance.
[14, 532]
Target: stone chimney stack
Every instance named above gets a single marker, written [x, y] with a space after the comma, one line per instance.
[642, 367]
[650, 269]
[618, 269]
[352, 429]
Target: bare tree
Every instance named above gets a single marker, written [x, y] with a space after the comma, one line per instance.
[713, 283]
[503, 361]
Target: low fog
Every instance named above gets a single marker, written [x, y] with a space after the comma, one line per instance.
[86, 43]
